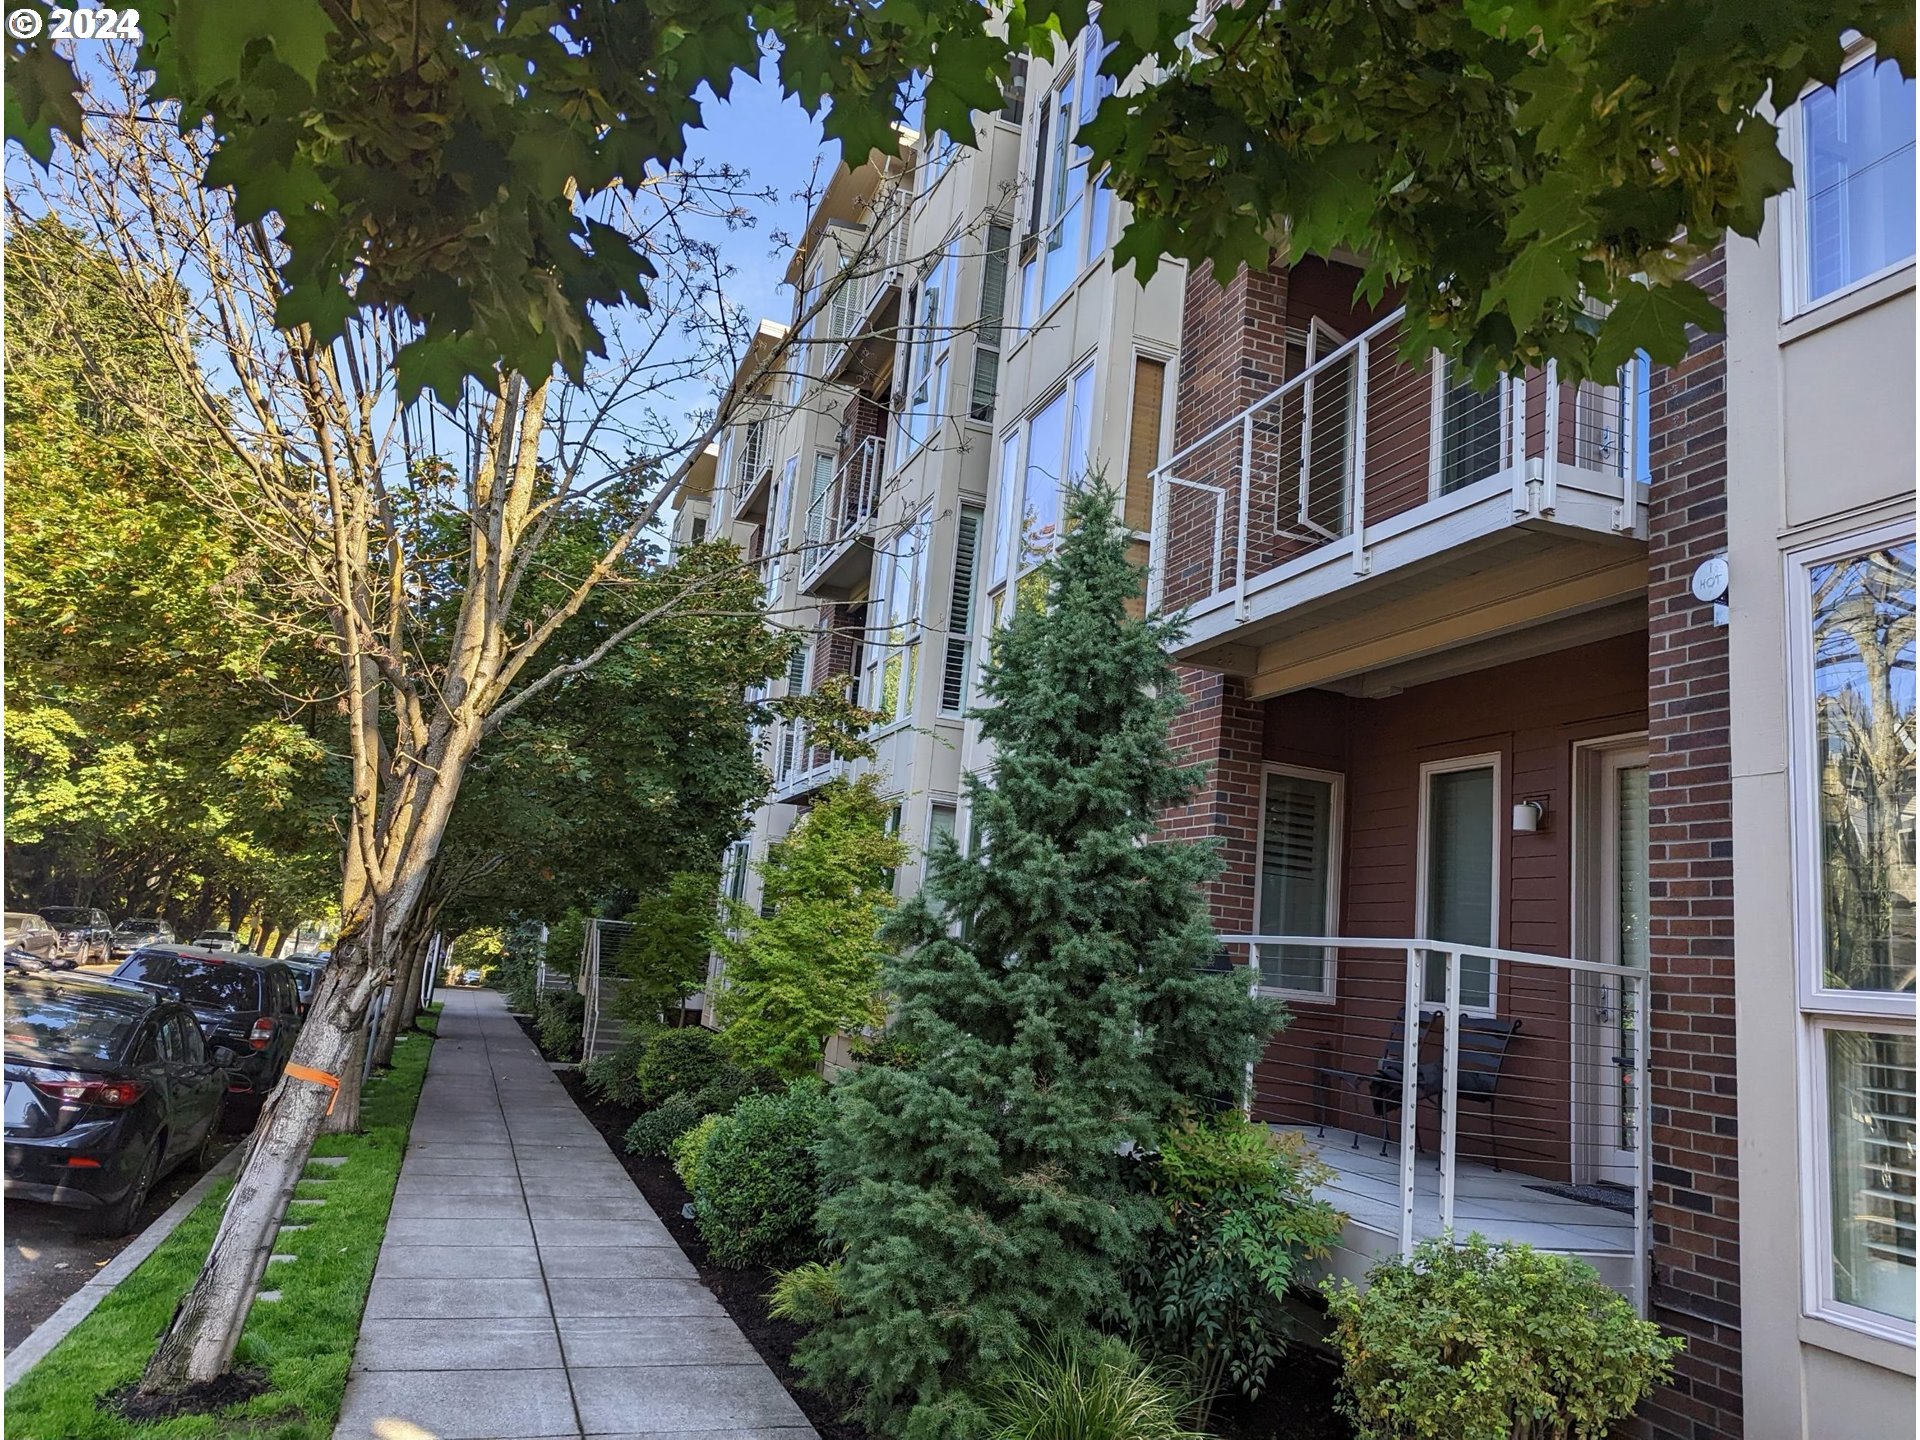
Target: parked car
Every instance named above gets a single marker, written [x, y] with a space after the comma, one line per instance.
[137, 930]
[86, 935]
[108, 1087]
[306, 974]
[246, 1002]
[223, 940]
[471, 977]
[31, 934]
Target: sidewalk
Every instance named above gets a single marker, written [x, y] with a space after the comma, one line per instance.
[526, 1291]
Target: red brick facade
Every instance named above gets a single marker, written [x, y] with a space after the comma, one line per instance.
[1695, 1183]
[1234, 351]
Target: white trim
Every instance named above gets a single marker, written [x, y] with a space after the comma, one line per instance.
[1808, 939]
[1823, 1009]
[1494, 760]
[1794, 300]
[1336, 859]
[1817, 1301]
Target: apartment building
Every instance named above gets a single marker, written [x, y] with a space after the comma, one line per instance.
[1560, 736]
[1820, 576]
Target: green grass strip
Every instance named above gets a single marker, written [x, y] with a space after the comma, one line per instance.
[304, 1340]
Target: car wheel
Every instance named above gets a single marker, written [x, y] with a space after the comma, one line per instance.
[118, 1218]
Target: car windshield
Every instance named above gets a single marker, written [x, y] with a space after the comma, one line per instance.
[216, 935]
[205, 983]
[136, 923]
[68, 915]
[82, 1025]
[15, 924]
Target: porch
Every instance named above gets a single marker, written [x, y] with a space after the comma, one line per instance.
[1521, 1072]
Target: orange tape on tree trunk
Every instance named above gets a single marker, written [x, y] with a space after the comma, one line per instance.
[318, 1077]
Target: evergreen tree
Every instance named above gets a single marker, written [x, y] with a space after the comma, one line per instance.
[809, 966]
[1053, 985]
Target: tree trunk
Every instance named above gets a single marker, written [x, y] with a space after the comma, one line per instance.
[404, 1003]
[344, 1118]
[206, 1325]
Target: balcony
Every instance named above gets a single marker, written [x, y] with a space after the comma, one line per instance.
[1371, 516]
[801, 767]
[838, 554]
[1542, 1051]
[868, 323]
[752, 473]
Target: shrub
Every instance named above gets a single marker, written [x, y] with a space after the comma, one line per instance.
[808, 967]
[1491, 1342]
[1210, 1287]
[615, 1077]
[1097, 1390]
[680, 1062]
[664, 959]
[558, 1016]
[759, 1180]
[807, 1293]
[686, 1151]
[656, 1130]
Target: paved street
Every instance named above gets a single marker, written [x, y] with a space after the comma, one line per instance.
[526, 1291]
[47, 1258]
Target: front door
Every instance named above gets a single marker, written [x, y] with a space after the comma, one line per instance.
[1614, 830]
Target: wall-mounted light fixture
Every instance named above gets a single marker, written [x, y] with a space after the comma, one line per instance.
[1529, 816]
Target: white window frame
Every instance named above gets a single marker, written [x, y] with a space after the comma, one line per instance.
[1336, 860]
[1496, 761]
[1794, 300]
[879, 647]
[1808, 932]
[1003, 565]
[1823, 1010]
[1081, 184]
[927, 359]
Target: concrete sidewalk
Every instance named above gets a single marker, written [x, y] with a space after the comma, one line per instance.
[526, 1291]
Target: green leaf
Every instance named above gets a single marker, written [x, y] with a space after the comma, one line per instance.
[1653, 318]
[1537, 276]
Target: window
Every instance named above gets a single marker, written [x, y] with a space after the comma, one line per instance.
[1853, 771]
[986, 343]
[1057, 453]
[1459, 871]
[958, 663]
[1298, 882]
[751, 455]
[1009, 488]
[699, 528]
[930, 303]
[1069, 209]
[843, 308]
[1467, 428]
[1850, 216]
[893, 654]
[1014, 91]
[819, 487]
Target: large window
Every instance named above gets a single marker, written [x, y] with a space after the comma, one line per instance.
[929, 347]
[899, 598]
[1039, 460]
[1299, 878]
[1853, 653]
[1068, 206]
[1850, 216]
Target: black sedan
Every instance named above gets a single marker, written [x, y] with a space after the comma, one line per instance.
[245, 1002]
[86, 935]
[108, 1088]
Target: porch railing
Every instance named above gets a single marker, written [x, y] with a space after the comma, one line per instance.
[845, 507]
[1361, 438]
[1551, 1050]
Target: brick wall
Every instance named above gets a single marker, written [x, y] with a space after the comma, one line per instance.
[1695, 1200]
[1223, 730]
[863, 417]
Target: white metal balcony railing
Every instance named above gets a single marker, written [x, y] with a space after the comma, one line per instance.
[1361, 445]
[799, 765]
[844, 510]
[1548, 1050]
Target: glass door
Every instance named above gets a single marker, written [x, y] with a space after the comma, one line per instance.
[1620, 879]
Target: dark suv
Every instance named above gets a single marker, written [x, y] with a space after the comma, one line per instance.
[108, 1088]
[86, 935]
[246, 1002]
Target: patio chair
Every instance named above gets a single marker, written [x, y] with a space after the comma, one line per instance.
[1383, 1083]
[1484, 1040]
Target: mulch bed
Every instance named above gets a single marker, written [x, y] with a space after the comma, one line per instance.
[743, 1293]
[201, 1398]
[1298, 1407]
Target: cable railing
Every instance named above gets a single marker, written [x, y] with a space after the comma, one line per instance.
[845, 508]
[1362, 441]
[1524, 1073]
